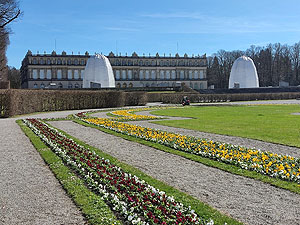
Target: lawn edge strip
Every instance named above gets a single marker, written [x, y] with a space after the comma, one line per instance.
[202, 209]
[93, 208]
[291, 186]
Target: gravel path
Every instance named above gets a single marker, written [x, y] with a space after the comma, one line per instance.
[245, 199]
[30, 194]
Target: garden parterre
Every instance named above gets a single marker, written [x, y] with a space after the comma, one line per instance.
[280, 166]
[135, 200]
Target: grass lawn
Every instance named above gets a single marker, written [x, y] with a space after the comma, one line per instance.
[271, 123]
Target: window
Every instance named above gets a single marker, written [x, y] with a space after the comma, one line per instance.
[117, 74]
[161, 63]
[59, 74]
[70, 86]
[49, 74]
[153, 63]
[42, 74]
[129, 74]
[76, 85]
[69, 62]
[141, 62]
[167, 63]
[146, 63]
[142, 75]
[82, 62]
[123, 74]
[201, 85]
[118, 85]
[173, 75]
[196, 74]
[76, 74]
[69, 74]
[147, 75]
[124, 85]
[162, 75]
[42, 61]
[196, 86]
[168, 76]
[130, 85]
[201, 74]
[34, 61]
[60, 85]
[82, 74]
[181, 74]
[42, 85]
[48, 61]
[130, 63]
[190, 74]
[76, 61]
[59, 61]
[34, 74]
[35, 85]
[124, 63]
[153, 74]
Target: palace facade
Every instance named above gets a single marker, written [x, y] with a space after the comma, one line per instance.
[66, 71]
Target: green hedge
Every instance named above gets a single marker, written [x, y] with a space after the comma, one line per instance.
[16, 102]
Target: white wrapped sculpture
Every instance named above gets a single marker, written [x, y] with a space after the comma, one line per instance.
[243, 74]
[98, 73]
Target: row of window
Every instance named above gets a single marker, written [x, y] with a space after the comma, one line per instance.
[196, 86]
[60, 85]
[123, 62]
[58, 61]
[162, 75]
[47, 74]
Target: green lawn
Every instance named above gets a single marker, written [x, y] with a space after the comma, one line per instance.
[271, 123]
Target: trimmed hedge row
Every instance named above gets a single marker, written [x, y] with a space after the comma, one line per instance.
[16, 102]
[176, 98]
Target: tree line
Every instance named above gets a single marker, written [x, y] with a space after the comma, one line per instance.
[274, 63]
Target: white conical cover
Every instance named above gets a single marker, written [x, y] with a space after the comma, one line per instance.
[244, 73]
[99, 71]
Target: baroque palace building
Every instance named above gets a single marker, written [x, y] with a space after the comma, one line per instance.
[66, 71]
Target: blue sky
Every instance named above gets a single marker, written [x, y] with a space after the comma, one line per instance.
[163, 26]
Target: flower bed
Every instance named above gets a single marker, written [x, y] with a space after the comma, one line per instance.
[127, 115]
[133, 199]
[281, 166]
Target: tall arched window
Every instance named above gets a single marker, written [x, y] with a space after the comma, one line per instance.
[129, 74]
[69, 74]
[141, 75]
[201, 76]
[162, 75]
[147, 75]
[181, 74]
[196, 75]
[190, 74]
[117, 74]
[34, 74]
[49, 74]
[76, 74]
[59, 74]
[173, 75]
[123, 74]
[168, 76]
[153, 74]
[42, 74]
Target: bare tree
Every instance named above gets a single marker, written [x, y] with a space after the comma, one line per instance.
[9, 11]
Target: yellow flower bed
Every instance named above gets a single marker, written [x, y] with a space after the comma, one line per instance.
[128, 114]
[275, 165]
